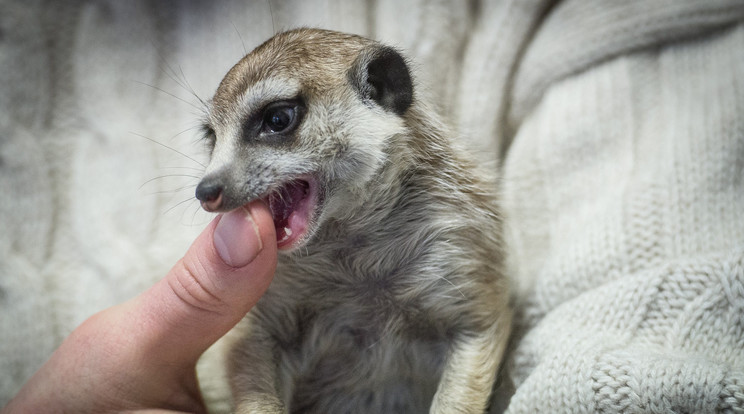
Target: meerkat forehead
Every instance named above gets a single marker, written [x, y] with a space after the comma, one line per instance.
[290, 62]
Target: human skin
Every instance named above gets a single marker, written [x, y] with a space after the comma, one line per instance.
[140, 356]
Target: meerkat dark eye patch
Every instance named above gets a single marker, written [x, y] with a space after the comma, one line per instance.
[281, 116]
[278, 117]
[381, 75]
[277, 120]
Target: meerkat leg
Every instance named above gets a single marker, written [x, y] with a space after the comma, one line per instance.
[256, 389]
[470, 371]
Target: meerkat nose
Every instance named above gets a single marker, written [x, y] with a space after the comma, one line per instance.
[210, 195]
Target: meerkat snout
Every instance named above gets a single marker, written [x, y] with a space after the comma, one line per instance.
[209, 193]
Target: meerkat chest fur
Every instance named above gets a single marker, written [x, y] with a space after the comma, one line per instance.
[389, 294]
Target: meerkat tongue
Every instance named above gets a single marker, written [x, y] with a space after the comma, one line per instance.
[290, 210]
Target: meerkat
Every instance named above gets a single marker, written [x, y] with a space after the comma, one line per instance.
[389, 295]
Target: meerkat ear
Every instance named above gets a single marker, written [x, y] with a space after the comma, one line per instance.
[380, 74]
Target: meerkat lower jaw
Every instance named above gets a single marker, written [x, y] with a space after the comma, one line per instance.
[292, 207]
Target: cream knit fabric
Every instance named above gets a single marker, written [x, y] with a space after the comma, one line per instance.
[625, 189]
[620, 127]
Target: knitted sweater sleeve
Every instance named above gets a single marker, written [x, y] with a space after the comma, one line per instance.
[624, 191]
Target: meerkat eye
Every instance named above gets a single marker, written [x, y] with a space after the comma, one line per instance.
[279, 117]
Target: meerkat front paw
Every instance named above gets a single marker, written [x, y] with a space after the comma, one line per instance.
[260, 404]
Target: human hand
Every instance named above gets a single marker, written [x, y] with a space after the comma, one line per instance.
[140, 356]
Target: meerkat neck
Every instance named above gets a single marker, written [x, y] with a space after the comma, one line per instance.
[408, 183]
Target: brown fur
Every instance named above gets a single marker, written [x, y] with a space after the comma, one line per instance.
[396, 300]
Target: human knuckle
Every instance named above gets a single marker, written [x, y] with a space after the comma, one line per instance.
[195, 291]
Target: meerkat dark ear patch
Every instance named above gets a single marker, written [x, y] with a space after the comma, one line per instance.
[381, 75]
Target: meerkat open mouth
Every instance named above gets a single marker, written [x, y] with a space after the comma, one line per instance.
[293, 206]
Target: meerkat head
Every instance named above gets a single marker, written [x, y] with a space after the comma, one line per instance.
[304, 122]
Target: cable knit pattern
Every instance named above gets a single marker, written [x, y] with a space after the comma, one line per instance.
[633, 290]
[618, 125]
[579, 34]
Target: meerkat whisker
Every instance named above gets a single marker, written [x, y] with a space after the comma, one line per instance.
[170, 148]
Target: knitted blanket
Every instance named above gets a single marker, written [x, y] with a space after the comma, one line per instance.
[618, 129]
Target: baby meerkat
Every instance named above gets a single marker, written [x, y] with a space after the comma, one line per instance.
[389, 295]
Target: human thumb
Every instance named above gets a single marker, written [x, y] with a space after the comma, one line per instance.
[143, 352]
[220, 278]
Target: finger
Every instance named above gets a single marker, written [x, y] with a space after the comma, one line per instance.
[221, 277]
[143, 352]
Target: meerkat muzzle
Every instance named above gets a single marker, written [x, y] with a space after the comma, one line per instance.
[293, 205]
